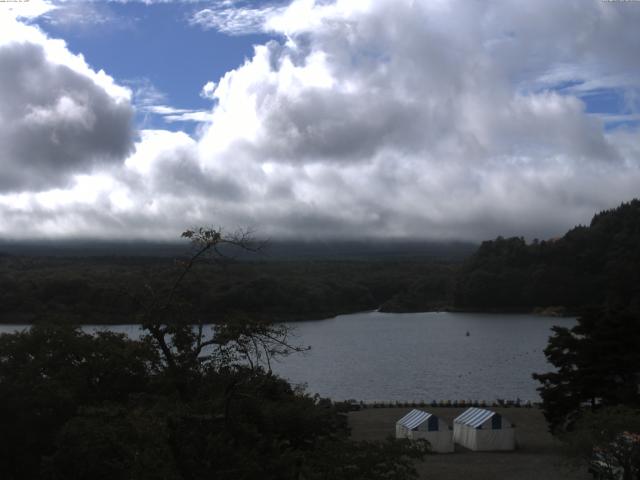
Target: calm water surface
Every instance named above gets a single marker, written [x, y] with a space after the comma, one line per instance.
[415, 356]
[422, 356]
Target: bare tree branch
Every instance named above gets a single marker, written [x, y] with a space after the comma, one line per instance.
[237, 342]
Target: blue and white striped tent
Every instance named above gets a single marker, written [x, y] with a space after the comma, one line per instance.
[480, 429]
[418, 424]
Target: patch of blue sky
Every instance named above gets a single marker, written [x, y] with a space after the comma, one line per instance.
[619, 122]
[605, 101]
[155, 45]
[614, 106]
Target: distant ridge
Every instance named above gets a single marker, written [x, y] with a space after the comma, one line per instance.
[275, 249]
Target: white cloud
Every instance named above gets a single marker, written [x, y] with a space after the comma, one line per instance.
[172, 114]
[439, 119]
[56, 52]
[207, 90]
[145, 94]
[25, 10]
[84, 14]
[235, 18]
[59, 116]
[189, 116]
[165, 110]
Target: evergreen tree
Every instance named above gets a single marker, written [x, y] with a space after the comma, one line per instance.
[598, 364]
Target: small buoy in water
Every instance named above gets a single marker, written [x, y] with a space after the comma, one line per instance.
[467, 334]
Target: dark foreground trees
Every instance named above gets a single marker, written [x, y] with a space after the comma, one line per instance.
[81, 406]
[48, 375]
[605, 438]
[185, 401]
[598, 365]
[592, 400]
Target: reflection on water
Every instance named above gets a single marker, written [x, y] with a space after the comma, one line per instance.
[414, 356]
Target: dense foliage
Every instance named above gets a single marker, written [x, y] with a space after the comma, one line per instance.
[586, 267]
[105, 289]
[78, 406]
[605, 440]
[184, 402]
[598, 365]
[592, 399]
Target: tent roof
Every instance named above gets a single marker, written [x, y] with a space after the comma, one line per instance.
[413, 419]
[474, 417]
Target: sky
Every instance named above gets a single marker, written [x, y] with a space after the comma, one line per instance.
[343, 119]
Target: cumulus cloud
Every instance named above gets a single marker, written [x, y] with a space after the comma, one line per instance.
[161, 188]
[413, 76]
[436, 119]
[235, 18]
[433, 118]
[207, 90]
[59, 117]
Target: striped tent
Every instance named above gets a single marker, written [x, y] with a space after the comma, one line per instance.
[418, 424]
[480, 429]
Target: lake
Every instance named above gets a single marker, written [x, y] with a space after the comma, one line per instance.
[416, 356]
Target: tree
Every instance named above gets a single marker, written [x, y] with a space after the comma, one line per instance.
[606, 439]
[185, 402]
[48, 373]
[587, 267]
[598, 365]
[183, 339]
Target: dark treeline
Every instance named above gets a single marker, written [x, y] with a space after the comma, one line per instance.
[106, 289]
[587, 267]
[277, 250]
[584, 268]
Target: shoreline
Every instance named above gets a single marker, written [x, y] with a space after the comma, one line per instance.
[30, 319]
[496, 403]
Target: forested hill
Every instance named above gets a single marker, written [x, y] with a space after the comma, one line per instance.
[87, 283]
[587, 266]
[114, 289]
